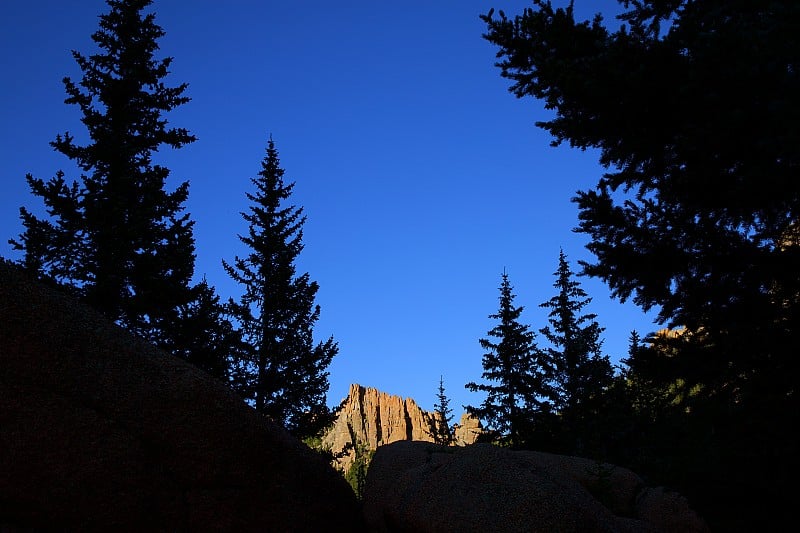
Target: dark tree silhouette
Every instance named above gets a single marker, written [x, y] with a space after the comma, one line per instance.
[693, 106]
[518, 370]
[206, 337]
[652, 387]
[581, 373]
[442, 433]
[698, 215]
[282, 371]
[117, 237]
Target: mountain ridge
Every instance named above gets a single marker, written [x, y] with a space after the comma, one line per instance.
[372, 418]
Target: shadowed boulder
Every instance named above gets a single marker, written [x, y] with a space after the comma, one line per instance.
[421, 487]
[100, 431]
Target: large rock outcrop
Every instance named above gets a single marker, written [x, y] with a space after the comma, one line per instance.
[421, 487]
[101, 432]
[467, 431]
[373, 418]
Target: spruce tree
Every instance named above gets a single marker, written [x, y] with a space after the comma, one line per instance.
[206, 337]
[581, 374]
[442, 433]
[517, 373]
[281, 370]
[116, 237]
[692, 107]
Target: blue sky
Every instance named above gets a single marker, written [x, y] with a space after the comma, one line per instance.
[421, 176]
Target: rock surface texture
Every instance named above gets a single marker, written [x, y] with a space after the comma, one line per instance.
[421, 487]
[374, 418]
[467, 431]
[101, 432]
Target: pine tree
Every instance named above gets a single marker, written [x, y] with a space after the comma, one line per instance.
[442, 433]
[116, 237]
[581, 373]
[518, 370]
[206, 337]
[696, 214]
[282, 371]
[356, 475]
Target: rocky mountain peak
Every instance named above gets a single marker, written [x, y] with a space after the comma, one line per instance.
[373, 418]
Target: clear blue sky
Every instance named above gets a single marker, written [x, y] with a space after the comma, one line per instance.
[421, 176]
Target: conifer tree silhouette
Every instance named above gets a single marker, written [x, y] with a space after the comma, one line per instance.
[581, 373]
[116, 236]
[282, 371]
[516, 372]
[442, 433]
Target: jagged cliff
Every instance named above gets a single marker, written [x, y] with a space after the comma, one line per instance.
[374, 418]
[467, 431]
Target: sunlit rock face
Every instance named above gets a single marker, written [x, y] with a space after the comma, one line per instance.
[467, 431]
[374, 418]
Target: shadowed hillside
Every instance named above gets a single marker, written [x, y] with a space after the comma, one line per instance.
[100, 431]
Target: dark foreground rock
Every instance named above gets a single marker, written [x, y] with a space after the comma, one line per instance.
[421, 487]
[101, 432]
